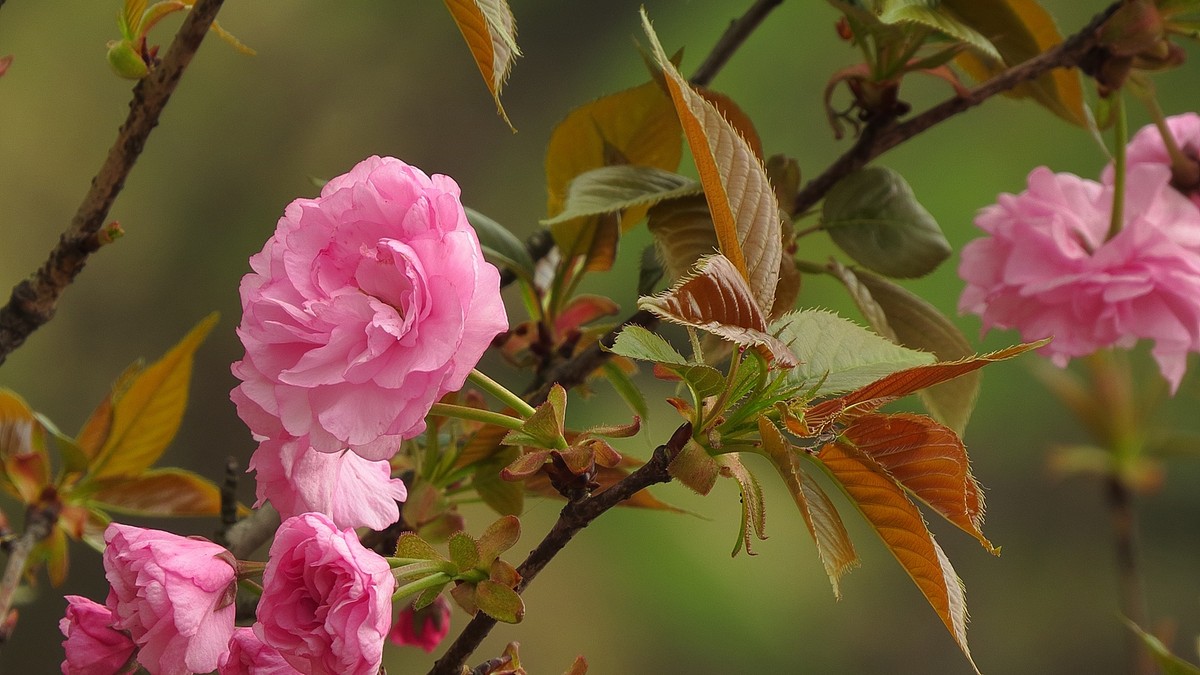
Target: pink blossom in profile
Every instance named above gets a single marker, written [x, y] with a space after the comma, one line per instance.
[92, 645]
[367, 305]
[352, 491]
[248, 655]
[1046, 270]
[327, 601]
[424, 628]
[173, 594]
[1147, 147]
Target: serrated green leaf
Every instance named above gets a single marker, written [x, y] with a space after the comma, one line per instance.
[157, 492]
[635, 342]
[543, 429]
[839, 352]
[147, 414]
[490, 31]
[500, 245]
[937, 18]
[874, 217]
[499, 602]
[909, 320]
[610, 189]
[464, 552]
[703, 380]
[409, 545]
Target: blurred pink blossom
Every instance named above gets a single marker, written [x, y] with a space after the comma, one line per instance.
[1147, 146]
[1046, 270]
[367, 305]
[93, 646]
[173, 594]
[424, 628]
[352, 491]
[327, 600]
[249, 656]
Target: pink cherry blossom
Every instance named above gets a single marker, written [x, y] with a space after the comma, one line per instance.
[352, 491]
[326, 602]
[1046, 270]
[249, 656]
[367, 305]
[424, 628]
[93, 646]
[173, 594]
[1147, 146]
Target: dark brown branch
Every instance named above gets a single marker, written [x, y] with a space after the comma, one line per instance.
[573, 372]
[34, 300]
[574, 517]
[885, 134]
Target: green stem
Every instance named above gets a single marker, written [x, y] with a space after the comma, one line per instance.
[1179, 161]
[501, 393]
[432, 581]
[412, 568]
[463, 412]
[1118, 205]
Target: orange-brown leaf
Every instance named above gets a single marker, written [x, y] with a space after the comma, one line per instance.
[158, 492]
[740, 197]
[896, 519]
[490, 32]
[929, 460]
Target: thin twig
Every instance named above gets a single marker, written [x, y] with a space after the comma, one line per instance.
[574, 517]
[39, 525]
[34, 300]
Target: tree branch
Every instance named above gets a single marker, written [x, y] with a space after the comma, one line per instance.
[574, 517]
[34, 300]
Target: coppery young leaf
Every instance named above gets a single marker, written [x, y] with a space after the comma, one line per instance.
[743, 204]
[896, 519]
[491, 33]
[24, 461]
[683, 233]
[158, 492]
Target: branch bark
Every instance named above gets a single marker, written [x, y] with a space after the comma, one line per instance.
[34, 300]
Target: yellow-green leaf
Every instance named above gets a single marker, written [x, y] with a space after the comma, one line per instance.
[1020, 30]
[822, 519]
[491, 33]
[157, 492]
[898, 522]
[147, 414]
[743, 204]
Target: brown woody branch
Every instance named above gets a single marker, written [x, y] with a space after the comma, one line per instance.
[34, 300]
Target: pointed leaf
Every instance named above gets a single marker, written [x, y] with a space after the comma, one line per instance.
[822, 519]
[740, 198]
[158, 492]
[609, 189]
[412, 546]
[500, 245]
[147, 414]
[873, 216]
[737, 118]
[578, 667]
[839, 354]
[491, 33]
[717, 299]
[499, 602]
[929, 460]
[937, 18]
[1020, 30]
[636, 342]
[898, 522]
[754, 515]
[543, 429]
[683, 233]
[909, 320]
[504, 497]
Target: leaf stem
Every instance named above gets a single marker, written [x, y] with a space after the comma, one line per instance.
[501, 393]
[463, 412]
[1117, 218]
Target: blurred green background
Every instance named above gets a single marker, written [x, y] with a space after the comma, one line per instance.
[638, 592]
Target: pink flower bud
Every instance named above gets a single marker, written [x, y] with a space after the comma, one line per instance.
[93, 646]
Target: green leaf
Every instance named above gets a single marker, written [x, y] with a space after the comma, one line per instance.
[499, 602]
[490, 32]
[543, 429]
[609, 189]
[498, 538]
[157, 492]
[839, 352]
[909, 320]
[683, 233]
[754, 514]
[635, 342]
[874, 217]
[500, 245]
[1170, 664]
[409, 545]
[147, 414]
[937, 18]
[703, 380]
[1020, 30]
[740, 198]
[464, 552]
[504, 497]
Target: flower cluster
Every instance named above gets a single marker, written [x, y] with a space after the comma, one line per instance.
[366, 306]
[1049, 267]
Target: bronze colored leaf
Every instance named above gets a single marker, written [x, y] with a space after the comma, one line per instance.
[491, 33]
[740, 198]
[683, 233]
[158, 492]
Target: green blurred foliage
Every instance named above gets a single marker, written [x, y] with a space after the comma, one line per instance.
[638, 592]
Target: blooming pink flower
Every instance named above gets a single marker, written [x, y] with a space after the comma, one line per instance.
[93, 646]
[367, 305]
[1046, 269]
[326, 602]
[1147, 147]
[173, 594]
[424, 628]
[249, 656]
[351, 490]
